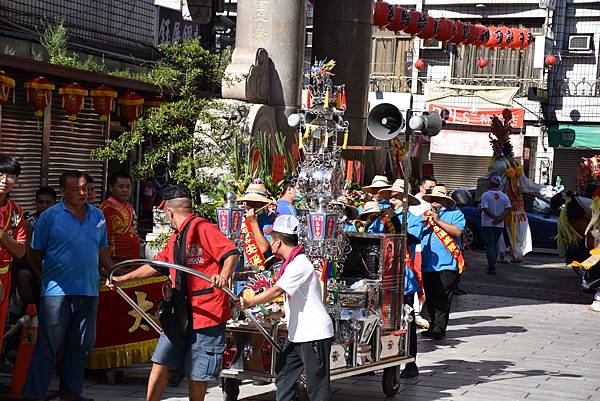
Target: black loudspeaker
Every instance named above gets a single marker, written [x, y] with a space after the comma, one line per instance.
[429, 124]
[385, 121]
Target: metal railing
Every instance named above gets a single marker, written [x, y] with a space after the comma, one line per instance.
[576, 88]
[403, 84]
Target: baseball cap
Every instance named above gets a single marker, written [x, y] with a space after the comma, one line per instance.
[286, 224]
[496, 180]
[174, 191]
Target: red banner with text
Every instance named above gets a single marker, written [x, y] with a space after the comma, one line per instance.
[480, 116]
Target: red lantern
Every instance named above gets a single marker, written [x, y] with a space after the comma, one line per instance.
[103, 99]
[461, 33]
[420, 64]
[39, 94]
[508, 35]
[445, 30]
[483, 37]
[155, 101]
[416, 22]
[496, 37]
[519, 39]
[131, 107]
[528, 38]
[7, 85]
[482, 62]
[550, 60]
[400, 20]
[73, 96]
[430, 29]
[472, 34]
[381, 15]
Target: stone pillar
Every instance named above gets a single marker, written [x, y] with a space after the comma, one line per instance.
[277, 26]
[343, 31]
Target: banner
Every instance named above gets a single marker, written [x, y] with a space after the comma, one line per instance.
[475, 115]
[469, 143]
[493, 94]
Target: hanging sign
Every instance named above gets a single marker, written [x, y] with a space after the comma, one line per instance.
[475, 115]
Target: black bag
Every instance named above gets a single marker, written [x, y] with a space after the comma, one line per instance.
[174, 312]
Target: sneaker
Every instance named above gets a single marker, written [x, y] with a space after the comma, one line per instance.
[422, 322]
[410, 370]
[516, 260]
[491, 271]
[595, 306]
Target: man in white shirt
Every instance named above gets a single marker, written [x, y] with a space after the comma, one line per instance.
[495, 206]
[310, 329]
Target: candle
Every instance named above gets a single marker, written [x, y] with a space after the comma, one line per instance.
[345, 145]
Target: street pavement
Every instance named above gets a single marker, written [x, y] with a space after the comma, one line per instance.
[523, 334]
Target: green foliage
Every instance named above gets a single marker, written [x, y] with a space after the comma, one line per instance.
[160, 241]
[189, 134]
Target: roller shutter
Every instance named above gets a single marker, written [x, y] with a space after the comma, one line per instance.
[566, 162]
[21, 136]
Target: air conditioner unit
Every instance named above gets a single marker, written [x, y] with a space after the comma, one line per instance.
[580, 43]
[431, 44]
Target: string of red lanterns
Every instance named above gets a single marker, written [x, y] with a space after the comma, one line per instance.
[415, 23]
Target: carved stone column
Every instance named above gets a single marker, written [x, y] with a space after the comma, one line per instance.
[277, 26]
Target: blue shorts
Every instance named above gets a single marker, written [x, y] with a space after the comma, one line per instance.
[198, 358]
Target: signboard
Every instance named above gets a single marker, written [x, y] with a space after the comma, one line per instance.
[170, 27]
[475, 115]
[469, 143]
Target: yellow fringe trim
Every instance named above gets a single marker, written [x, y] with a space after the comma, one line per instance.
[566, 235]
[118, 356]
[137, 283]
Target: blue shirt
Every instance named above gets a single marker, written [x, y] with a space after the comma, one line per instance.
[285, 207]
[435, 257]
[71, 257]
[415, 226]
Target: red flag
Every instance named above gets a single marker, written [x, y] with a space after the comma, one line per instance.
[278, 167]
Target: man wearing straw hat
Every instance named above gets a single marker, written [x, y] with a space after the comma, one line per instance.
[442, 258]
[369, 215]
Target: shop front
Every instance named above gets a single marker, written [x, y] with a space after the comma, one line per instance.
[571, 143]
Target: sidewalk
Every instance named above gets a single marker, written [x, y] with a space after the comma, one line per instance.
[497, 348]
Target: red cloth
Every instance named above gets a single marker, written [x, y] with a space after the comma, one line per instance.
[207, 247]
[295, 252]
[12, 222]
[123, 239]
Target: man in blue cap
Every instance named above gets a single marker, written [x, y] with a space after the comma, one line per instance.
[495, 206]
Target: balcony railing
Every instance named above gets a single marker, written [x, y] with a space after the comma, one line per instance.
[403, 84]
[576, 88]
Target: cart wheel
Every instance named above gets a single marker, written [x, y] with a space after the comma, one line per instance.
[391, 381]
[231, 389]
[175, 378]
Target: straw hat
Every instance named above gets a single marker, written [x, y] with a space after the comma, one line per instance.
[398, 188]
[350, 210]
[379, 182]
[368, 208]
[439, 194]
[256, 192]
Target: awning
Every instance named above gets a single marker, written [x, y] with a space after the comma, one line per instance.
[574, 136]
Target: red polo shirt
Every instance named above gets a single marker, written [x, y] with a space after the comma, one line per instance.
[207, 249]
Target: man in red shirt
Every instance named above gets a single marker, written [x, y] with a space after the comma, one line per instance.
[12, 231]
[199, 356]
[123, 239]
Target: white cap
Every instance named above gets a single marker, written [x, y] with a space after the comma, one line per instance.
[286, 224]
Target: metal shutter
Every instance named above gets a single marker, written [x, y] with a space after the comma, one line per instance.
[21, 136]
[72, 141]
[566, 162]
[458, 171]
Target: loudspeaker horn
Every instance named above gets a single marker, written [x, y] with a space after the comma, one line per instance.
[429, 124]
[385, 121]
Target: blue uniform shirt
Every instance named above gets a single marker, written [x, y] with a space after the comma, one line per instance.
[70, 261]
[285, 207]
[415, 226]
[435, 256]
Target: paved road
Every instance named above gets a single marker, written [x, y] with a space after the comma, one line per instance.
[537, 341]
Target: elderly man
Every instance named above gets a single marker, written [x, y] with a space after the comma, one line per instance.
[200, 245]
[442, 257]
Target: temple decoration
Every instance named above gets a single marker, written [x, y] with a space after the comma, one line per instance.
[103, 100]
[73, 96]
[131, 105]
[7, 86]
[39, 94]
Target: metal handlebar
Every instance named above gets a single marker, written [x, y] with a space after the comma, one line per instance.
[157, 263]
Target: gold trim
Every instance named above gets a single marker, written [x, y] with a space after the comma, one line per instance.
[117, 356]
[104, 93]
[137, 283]
[131, 102]
[71, 91]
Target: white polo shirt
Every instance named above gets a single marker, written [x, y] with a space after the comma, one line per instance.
[304, 309]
